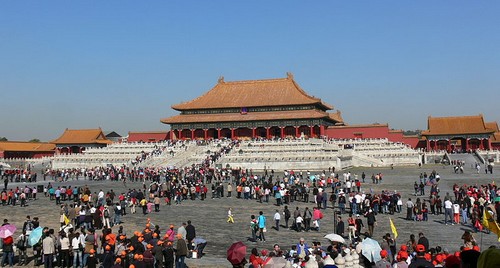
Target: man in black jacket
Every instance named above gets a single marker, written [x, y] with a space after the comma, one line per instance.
[190, 235]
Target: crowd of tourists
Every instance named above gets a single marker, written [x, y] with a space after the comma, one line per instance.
[84, 247]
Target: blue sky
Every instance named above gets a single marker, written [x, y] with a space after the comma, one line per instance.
[120, 65]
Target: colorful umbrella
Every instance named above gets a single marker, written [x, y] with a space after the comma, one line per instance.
[35, 236]
[371, 249]
[335, 238]
[236, 253]
[7, 230]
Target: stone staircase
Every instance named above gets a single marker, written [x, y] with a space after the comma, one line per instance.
[468, 158]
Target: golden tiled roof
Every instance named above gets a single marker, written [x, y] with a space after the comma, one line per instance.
[337, 117]
[82, 136]
[238, 117]
[24, 146]
[492, 125]
[496, 137]
[456, 125]
[252, 93]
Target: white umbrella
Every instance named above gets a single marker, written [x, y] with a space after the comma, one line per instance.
[335, 238]
[4, 165]
[371, 249]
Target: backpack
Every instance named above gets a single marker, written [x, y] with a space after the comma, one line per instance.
[21, 244]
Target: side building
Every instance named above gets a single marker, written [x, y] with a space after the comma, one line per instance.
[77, 140]
[460, 133]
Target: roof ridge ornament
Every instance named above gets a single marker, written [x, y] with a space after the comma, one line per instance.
[289, 75]
[221, 79]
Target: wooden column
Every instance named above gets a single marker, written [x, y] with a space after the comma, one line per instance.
[467, 144]
[311, 129]
[232, 133]
[180, 134]
[267, 133]
[297, 134]
[218, 133]
[205, 134]
[428, 145]
[192, 134]
[322, 130]
[489, 143]
[282, 129]
[253, 132]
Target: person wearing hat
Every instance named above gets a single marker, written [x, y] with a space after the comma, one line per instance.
[108, 257]
[91, 259]
[420, 261]
[168, 255]
[148, 256]
[383, 262]
[401, 259]
[118, 263]
[170, 235]
[371, 221]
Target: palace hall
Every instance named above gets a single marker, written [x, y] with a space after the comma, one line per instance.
[460, 133]
[271, 108]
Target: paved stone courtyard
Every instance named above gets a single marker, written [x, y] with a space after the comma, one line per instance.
[209, 216]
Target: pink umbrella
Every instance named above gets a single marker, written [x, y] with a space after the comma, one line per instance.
[7, 230]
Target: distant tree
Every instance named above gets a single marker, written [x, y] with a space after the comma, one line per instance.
[34, 140]
[3, 139]
[412, 132]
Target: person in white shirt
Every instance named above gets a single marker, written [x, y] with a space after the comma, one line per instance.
[64, 252]
[277, 218]
[456, 212]
[77, 246]
[298, 222]
[448, 211]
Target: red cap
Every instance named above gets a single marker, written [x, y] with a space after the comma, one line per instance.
[383, 253]
[428, 256]
[420, 248]
[403, 255]
[404, 248]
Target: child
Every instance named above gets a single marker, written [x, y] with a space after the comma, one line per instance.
[230, 216]
[150, 205]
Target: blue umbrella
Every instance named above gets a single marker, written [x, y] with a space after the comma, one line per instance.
[35, 236]
[371, 249]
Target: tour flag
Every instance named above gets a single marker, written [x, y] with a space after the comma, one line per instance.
[490, 223]
[393, 229]
[66, 220]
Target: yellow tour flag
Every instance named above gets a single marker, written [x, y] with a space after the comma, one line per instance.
[66, 220]
[393, 229]
[490, 223]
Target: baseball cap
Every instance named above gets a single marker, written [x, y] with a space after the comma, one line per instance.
[383, 253]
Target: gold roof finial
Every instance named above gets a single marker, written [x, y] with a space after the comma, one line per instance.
[289, 75]
[221, 79]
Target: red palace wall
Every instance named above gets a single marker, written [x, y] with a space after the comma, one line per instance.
[148, 137]
[370, 132]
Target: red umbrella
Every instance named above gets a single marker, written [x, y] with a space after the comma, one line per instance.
[236, 253]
